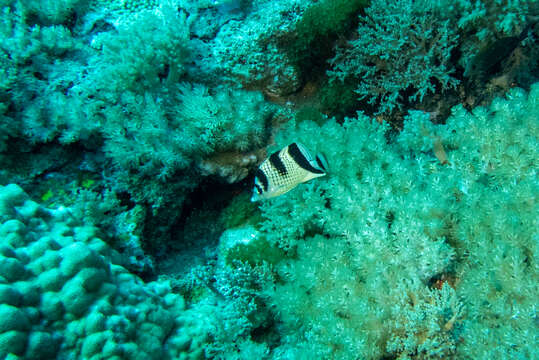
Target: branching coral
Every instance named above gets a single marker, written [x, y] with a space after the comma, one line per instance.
[401, 53]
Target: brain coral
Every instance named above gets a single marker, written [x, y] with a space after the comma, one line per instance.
[64, 293]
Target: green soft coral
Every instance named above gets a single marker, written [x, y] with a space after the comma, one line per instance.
[147, 52]
[159, 139]
[392, 219]
[496, 232]
[360, 236]
[54, 12]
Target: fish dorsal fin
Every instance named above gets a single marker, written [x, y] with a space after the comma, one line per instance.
[304, 159]
[322, 162]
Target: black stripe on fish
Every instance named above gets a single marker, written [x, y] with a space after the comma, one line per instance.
[277, 163]
[320, 163]
[301, 160]
[258, 189]
[259, 174]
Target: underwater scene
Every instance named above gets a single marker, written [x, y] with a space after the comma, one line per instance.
[269, 179]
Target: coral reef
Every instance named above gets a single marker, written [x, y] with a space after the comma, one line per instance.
[137, 127]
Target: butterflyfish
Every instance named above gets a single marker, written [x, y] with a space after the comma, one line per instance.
[285, 169]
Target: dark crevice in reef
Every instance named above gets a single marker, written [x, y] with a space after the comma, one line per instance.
[32, 164]
[199, 225]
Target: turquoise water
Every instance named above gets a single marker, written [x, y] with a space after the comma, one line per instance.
[131, 132]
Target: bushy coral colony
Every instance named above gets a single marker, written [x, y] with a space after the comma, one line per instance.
[404, 253]
[391, 146]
